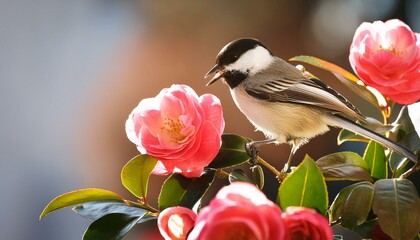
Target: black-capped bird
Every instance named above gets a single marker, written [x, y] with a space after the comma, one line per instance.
[279, 100]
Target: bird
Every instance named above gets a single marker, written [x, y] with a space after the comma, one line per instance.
[284, 103]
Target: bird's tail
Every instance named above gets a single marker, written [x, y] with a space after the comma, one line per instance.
[345, 123]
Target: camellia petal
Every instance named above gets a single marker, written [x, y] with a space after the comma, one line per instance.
[179, 128]
[239, 211]
[212, 107]
[386, 56]
[306, 224]
[190, 168]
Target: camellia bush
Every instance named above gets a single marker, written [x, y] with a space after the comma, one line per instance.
[180, 136]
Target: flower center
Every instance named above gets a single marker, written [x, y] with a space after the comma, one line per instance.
[173, 129]
[389, 48]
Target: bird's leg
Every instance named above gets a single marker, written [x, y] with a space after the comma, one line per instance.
[252, 151]
[252, 148]
[292, 152]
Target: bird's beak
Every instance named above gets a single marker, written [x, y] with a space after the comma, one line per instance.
[219, 74]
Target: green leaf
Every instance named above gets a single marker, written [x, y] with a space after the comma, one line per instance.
[232, 152]
[258, 176]
[344, 166]
[98, 209]
[398, 164]
[317, 62]
[406, 136]
[411, 141]
[238, 175]
[305, 186]
[348, 136]
[113, 226]
[365, 230]
[376, 160]
[178, 190]
[135, 174]
[347, 78]
[78, 197]
[404, 126]
[397, 205]
[352, 205]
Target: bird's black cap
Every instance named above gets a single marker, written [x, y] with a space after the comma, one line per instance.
[233, 50]
[229, 54]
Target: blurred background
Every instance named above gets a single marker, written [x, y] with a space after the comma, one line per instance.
[72, 71]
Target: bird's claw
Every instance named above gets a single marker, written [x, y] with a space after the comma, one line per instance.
[252, 151]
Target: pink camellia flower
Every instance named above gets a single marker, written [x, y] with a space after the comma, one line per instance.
[386, 56]
[180, 129]
[306, 224]
[176, 222]
[239, 211]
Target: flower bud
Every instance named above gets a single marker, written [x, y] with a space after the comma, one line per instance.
[176, 222]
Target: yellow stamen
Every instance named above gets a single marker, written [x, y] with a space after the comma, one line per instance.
[173, 129]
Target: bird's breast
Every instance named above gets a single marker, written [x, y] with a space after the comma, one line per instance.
[283, 121]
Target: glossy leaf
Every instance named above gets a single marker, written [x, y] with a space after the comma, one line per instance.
[370, 94]
[348, 136]
[352, 205]
[376, 160]
[98, 209]
[305, 186]
[365, 230]
[232, 152]
[347, 78]
[78, 197]
[258, 175]
[411, 141]
[178, 190]
[405, 135]
[344, 166]
[397, 205]
[135, 174]
[403, 124]
[238, 175]
[113, 226]
[398, 164]
[326, 66]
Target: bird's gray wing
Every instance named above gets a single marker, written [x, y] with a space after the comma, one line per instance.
[304, 91]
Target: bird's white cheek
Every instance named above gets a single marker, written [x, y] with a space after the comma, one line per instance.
[253, 61]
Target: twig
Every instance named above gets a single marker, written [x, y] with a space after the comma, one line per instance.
[413, 169]
[279, 175]
[143, 205]
[221, 173]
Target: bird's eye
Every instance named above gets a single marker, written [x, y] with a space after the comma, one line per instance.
[234, 58]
